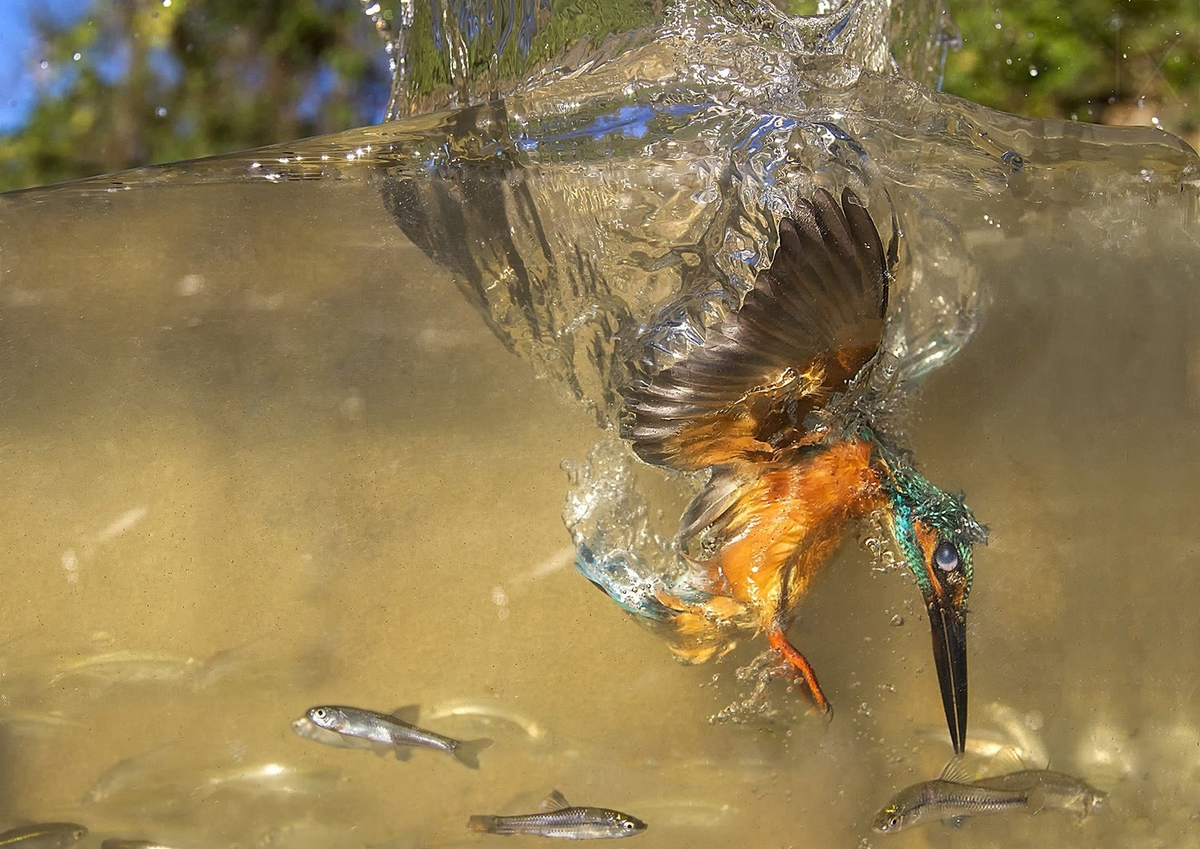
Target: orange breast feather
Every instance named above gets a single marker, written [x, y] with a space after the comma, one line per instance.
[786, 522]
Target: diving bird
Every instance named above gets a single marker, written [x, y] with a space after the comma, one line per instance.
[773, 402]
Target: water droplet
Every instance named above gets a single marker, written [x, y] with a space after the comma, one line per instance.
[161, 112]
[77, 56]
[896, 621]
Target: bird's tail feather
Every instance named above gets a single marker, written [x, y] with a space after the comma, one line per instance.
[638, 588]
[703, 626]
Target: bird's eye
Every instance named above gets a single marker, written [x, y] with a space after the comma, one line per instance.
[946, 557]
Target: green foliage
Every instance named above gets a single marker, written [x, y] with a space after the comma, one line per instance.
[156, 83]
[1088, 59]
[496, 50]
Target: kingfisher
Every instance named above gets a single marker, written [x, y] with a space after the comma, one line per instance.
[774, 403]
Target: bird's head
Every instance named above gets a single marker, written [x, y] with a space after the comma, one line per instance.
[936, 532]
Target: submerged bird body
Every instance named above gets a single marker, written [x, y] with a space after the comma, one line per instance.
[782, 528]
[774, 402]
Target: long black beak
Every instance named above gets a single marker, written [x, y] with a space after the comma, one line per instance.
[950, 654]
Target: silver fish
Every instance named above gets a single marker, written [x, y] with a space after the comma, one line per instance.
[306, 728]
[1048, 789]
[393, 732]
[956, 794]
[47, 835]
[558, 818]
[121, 843]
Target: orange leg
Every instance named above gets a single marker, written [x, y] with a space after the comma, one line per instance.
[799, 666]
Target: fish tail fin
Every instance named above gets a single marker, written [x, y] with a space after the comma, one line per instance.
[486, 824]
[467, 752]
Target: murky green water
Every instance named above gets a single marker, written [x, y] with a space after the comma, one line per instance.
[262, 452]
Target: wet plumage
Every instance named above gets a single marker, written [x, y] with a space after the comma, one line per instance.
[769, 403]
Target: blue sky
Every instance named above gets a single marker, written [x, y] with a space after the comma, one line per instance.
[20, 61]
[22, 77]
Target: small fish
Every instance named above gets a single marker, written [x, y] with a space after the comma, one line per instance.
[393, 732]
[1048, 789]
[957, 794]
[557, 818]
[306, 728]
[120, 843]
[47, 835]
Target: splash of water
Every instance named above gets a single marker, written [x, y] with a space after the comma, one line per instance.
[608, 206]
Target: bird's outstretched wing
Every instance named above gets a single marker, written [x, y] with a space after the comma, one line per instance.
[812, 320]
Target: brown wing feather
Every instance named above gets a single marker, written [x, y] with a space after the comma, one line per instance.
[812, 320]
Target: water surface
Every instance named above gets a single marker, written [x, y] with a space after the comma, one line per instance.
[264, 452]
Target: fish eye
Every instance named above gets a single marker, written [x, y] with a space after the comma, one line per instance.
[894, 822]
[946, 557]
[319, 713]
[627, 825]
